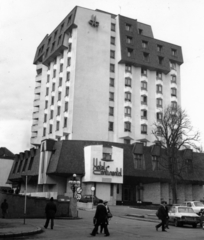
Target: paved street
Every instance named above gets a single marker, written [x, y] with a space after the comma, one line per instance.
[120, 228]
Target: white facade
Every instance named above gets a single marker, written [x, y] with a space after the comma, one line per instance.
[87, 106]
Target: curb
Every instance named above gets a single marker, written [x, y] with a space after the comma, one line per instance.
[8, 235]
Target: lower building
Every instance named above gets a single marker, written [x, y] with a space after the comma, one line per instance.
[120, 173]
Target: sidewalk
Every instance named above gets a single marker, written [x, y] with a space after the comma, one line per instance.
[16, 227]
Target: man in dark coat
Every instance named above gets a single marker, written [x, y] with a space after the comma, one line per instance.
[162, 215]
[4, 208]
[101, 218]
[50, 211]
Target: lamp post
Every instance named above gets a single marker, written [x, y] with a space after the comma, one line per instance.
[74, 184]
[25, 201]
[92, 190]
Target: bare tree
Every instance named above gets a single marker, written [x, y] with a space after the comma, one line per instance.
[174, 132]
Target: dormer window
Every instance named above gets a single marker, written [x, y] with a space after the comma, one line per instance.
[128, 27]
[144, 44]
[146, 56]
[173, 52]
[159, 48]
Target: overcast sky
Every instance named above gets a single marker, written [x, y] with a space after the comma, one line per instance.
[24, 23]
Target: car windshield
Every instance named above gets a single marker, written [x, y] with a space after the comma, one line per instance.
[185, 210]
[198, 204]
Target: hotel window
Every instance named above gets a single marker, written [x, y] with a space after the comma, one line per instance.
[127, 126]
[113, 27]
[53, 87]
[173, 52]
[53, 46]
[69, 47]
[59, 39]
[58, 110]
[52, 100]
[159, 75]
[57, 125]
[31, 163]
[173, 78]
[62, 26]
[48, 67]
[173, 92]
[159, 116]
[159, 48]
[59, 96]
[111, 111]
[20, 165]
[143, 85]
[144, 72]
[55, 61]
[118, 186]
[127, 111]
[112, 54]
[139, 162]
[60, 82]
[146, 56]
[128, 68]
[65, 121]
[62, 55]
[127, 141]
[127, 96]
[50, 128]
[67, 92]
[25, 164]
[140, 31]
[66, 106]
[47, 91]
[174, 104]
[47, 50]
[68, 61]
[54, 73]
[159, 131]
[128, 27]
[111, 189]
[128, 82]
[113, 40]
[110, 126]
[69, 20]
[49, 40]
[68, 77]
[45, 118]
[129, 52]
[143, 114]
[173, 65]
[128, 40]
[159, 102]
[155, 163]
[48, 78]
[51, 114]
[143, 129]
[144, 44]
[44, 132]
[160, 59]
[55, 35]
[112, 82]
[159, 88]
[46, 104]
[61, 67]
[112, 68]
[111, 96]
[144, 100]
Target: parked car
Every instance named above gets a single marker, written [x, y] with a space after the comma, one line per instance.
[180, 215]
[197, 206]
[88, 198]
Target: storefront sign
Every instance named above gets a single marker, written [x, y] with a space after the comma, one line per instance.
[99, 169]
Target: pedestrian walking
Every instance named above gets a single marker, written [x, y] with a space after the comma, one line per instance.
[109, 215]
[167, 218]
[50, 211]
[4, 208]
[100, 218]
[162, 215]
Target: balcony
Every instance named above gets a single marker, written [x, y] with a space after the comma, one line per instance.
[35, 115]
[36, 103]
[38, 77]
[34, 134]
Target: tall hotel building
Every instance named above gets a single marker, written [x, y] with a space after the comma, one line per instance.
[103, 77]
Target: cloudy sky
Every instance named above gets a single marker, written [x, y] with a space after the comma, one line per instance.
[24, 23]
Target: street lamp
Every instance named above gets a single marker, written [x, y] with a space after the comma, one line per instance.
[74, 184]
[92, 190]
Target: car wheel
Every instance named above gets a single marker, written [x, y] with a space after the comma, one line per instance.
[176, 223]
[194, 225]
